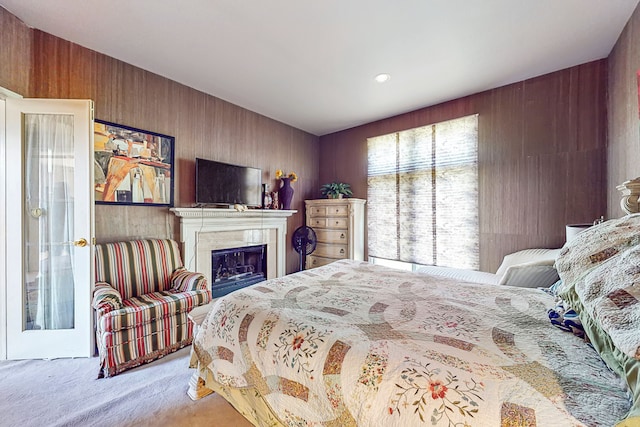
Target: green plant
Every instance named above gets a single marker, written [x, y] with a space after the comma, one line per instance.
[334, 190]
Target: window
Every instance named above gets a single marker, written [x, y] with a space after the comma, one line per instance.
[423, 195]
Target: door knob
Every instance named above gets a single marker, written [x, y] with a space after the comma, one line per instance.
[80, 243]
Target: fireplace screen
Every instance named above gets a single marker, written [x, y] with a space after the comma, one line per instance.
[237, 268]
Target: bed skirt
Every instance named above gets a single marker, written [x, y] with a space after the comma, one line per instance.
[247, 401]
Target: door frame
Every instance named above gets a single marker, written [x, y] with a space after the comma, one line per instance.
[4, 94]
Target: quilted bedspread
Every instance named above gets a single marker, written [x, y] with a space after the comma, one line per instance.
[351, 343]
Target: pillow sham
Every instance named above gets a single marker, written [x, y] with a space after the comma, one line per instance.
[610, 295]
[598, 269]
[596, 245]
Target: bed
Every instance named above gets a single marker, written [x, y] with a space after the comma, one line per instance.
[352, 343]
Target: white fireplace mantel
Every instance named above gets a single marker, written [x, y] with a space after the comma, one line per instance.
[204, 229]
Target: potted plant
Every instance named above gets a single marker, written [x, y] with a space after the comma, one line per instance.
[336, 190]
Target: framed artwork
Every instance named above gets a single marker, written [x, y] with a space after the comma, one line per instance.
[638, 83]
[132, 166]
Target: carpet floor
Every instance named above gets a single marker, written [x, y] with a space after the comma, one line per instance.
[66, 392]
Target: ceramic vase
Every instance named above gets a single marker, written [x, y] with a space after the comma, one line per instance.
[285, 194]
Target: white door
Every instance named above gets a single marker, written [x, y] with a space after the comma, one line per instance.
[49, 228]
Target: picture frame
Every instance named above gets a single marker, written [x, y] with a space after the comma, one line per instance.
[638, 86]
[132, 166]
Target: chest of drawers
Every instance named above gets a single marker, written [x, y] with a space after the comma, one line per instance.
[339, 227]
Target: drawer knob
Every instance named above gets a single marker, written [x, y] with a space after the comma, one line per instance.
[337, 222]
[337, 210]
[341, 251]
[342, 236]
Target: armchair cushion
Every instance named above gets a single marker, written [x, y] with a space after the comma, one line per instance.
[183, 280]
[148, 308]
[137, 267]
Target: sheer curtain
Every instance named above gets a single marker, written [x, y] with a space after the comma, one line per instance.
[49, 220]
[423, 195]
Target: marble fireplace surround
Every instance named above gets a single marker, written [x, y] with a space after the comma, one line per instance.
[204, 229]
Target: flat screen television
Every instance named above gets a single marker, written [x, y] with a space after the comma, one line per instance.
[220, 183]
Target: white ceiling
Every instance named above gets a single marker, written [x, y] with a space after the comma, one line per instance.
[311, 64]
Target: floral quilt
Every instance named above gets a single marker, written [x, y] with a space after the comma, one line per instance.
[352, 343]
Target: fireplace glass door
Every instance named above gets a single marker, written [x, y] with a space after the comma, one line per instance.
[237, 268]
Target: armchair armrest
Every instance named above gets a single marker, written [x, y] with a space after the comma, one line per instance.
[183, 280]
[106, 298]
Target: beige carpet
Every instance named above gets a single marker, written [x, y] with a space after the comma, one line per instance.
[66, 392]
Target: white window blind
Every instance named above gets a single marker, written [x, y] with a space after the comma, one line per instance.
[423, 195]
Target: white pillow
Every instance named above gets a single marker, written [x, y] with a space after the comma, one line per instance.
[530, 268]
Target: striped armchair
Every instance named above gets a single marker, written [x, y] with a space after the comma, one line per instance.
[142, 296]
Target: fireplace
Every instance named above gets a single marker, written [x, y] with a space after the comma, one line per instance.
[203, 230]
[235, 268]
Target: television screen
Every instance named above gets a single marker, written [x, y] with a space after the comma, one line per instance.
[224, 184]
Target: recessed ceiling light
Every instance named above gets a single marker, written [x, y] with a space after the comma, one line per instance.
[383, 77]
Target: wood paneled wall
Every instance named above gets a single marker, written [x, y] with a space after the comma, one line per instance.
[15, 53]
[623, 154]
[203, 125]
[541, 153]
[542, 142]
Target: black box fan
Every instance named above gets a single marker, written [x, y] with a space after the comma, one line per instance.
[304, 242]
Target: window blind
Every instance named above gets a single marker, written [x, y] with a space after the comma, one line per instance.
[423, 194]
